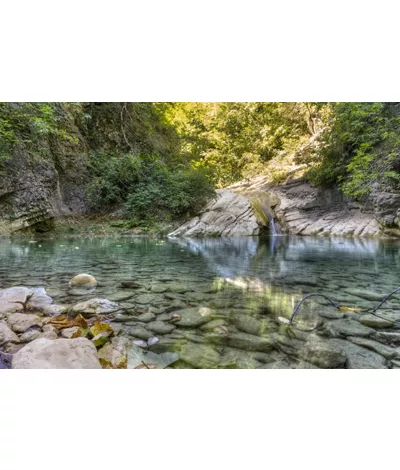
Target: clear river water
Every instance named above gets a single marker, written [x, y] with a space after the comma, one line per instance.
[249, 283]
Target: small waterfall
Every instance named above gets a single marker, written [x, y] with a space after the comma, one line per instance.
[274, 228]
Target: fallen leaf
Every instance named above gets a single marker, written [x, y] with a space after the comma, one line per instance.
[349, 309]
[100, 328]
[101, 339]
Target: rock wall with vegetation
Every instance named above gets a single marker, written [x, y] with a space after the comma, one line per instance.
[71, 159]
[335, 167]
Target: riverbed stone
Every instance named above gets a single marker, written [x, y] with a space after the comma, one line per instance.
[20, 322]
[139, 332]
[114, 354]
[211, 325]
[69, 332]
[149, 299]
[52, 309]
[48, 335]
[158, 288]
[359, 357]
[331, 314]
[322, 353]
[160, 327]
[385, 351]
[200, 356]
[250, 342]
[345, 327]
[375, 322]
[93, 307]
[364, 294]
[196, 296]
[78, 353]
[237, 359]
[30, 335]
[195, 316]
[146, 317]
[177, 288]
[7, 335]
[391, 338]
[85, 281]
[120, 296]
[11, 298]
[251, 325]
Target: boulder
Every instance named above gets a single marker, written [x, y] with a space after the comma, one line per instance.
[83, 281]
[42, 353]
[20, 322]
[229, 214]
[11, 299]
[7, 335]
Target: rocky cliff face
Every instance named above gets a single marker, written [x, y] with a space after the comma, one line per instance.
[228, 214]
[34, 193]
[303, 209]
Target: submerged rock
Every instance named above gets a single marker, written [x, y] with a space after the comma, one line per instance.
[78, 353]
[236, 359]
[195, 316]
[364, 294]
[200, 356]
[160, 327]
[375, 322]
[381, 349]
[83, 281]
[345, 327]
[253, 326]
[93, 307]
[322, 353]
[251, 342]
[387, 337]
[359, 357]
[149, 299]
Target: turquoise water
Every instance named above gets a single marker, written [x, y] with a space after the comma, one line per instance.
[248, 282]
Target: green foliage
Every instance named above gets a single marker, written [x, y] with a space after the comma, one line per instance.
[113, 176]
[360, 148]
[169, 191]
[235, 140]
[32, 125]
[150, 187]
